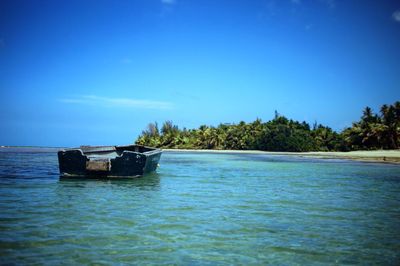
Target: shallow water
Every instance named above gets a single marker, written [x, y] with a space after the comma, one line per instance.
[201, 209]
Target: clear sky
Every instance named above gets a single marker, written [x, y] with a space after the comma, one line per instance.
[97, 72]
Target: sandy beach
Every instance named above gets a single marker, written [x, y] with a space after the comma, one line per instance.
[381, 156]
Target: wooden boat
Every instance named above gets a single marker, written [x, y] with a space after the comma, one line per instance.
[108, 161]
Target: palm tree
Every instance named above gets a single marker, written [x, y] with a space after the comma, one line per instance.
[384, 112]
[389, 118]
[353, 136]
[368, 117]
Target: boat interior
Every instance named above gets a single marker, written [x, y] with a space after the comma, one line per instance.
[93, 152]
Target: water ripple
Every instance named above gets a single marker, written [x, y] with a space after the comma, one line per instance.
[201, 209]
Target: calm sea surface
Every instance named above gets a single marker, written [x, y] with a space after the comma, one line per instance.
[201, 209]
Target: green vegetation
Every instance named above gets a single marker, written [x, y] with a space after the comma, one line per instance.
[373, 131]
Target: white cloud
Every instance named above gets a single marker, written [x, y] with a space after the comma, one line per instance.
[168, 2]
[118, 102]
[396, 16]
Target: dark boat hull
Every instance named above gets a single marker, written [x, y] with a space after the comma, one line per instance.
[108, 161]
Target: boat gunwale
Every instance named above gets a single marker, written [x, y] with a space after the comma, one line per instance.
[112, 149]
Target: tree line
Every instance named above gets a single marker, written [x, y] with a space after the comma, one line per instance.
[373, 131]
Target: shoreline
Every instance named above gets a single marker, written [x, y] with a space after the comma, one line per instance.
[377, 156]
[373, 156]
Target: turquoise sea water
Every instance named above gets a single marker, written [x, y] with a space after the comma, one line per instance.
[201, 209]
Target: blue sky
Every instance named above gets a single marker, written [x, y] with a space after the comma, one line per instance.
[97, 72]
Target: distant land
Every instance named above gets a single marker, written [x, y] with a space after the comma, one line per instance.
[374, 131]
[374, 138]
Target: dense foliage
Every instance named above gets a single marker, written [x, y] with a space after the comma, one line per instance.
[373, 131]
